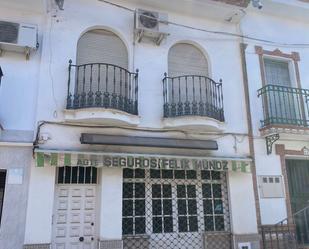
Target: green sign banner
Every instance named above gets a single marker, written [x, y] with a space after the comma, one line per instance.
[140, 161]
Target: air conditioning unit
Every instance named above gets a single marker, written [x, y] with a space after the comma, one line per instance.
[150, 24]
[18, 37]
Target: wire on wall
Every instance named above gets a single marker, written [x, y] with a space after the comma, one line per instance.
[55, 113]
[224, 33]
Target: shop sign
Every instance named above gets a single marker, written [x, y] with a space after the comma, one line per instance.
[141, 161]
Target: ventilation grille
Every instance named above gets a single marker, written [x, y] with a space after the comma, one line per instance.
[9, 32]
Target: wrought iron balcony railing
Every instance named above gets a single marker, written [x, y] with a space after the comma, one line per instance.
[102, 85]
[193, 95]
[284, 105]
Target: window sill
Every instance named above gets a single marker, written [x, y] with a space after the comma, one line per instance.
[284, 129]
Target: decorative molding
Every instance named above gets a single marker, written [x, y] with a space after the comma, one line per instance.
[259, 50]
[284, 129]
[277, 52]
[271, 129]
[283, 153]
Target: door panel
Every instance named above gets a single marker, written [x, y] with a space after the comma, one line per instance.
[74, 217]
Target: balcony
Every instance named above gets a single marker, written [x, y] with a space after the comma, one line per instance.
[284, 107]
[102, 92]
[193, 101]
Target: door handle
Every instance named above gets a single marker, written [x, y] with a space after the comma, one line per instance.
[81, 239]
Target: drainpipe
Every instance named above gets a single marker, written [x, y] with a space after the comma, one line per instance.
[1, 74]
[243, 47]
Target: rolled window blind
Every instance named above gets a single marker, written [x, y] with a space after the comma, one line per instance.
[102, 46]
[186, 59]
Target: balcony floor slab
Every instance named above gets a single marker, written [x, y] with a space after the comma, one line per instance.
[101, 116]
[194, 122]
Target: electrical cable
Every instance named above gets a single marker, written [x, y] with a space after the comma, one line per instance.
[225, 33]
[158, 130]
[55, 114]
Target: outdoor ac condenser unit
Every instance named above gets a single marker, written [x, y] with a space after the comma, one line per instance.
[150, 24]
[18, 37]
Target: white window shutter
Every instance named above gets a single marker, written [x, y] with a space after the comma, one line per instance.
[101, 46]
[186, 59]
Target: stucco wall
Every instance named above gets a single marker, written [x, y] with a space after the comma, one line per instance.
[282, 30]
[18, 92]
[41, 85]
[12, 229]
[65, 27]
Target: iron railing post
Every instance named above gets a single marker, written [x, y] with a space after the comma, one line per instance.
[69, 96]
[136, 92]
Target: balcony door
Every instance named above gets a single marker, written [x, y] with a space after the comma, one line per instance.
[283, 100]
[102, 63]
[188, 85]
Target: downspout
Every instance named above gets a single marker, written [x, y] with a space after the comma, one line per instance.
[1, 75]
[243, 47]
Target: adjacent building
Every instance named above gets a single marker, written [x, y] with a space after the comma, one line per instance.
[153, 124]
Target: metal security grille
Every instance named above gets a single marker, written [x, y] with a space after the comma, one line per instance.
[77, 175]
[175, 209]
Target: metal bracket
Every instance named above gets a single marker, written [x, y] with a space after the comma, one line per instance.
[270, 141]
[139, 35]
[27, 53]
[160, 38]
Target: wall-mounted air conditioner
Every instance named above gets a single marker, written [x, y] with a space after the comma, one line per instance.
[18, 37]
[150, 24]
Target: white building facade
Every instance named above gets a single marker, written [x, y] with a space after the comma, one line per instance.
[129, 132]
